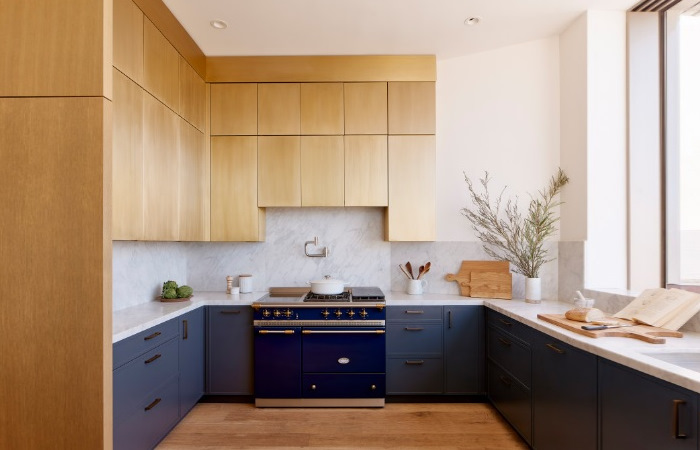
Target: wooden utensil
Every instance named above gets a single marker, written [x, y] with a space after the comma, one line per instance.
[420, 272]
[427, 269]
[405, 272]
[410, 269]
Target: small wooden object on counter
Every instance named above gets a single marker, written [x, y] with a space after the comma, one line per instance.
[485, 279]
[173, 300]
[229, 284]
[646, 333]
[289, 291]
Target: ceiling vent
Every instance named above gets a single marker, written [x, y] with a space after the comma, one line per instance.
[654, 5]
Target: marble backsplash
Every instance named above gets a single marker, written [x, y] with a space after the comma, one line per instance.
[358, 255]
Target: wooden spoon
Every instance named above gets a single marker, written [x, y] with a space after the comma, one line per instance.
[405, 272]
[410, 269]
[420, 272]
[427, 269]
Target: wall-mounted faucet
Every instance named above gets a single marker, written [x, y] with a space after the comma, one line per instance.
[324, 252]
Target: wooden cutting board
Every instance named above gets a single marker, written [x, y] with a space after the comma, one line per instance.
[485, 279]
[289, 291]
[644, 333]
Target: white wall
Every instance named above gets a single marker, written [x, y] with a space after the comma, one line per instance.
[497, 111]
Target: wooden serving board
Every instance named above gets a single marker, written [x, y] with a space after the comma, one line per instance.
[173, 300]
[289, 291]
[485, 279]
[644, 333]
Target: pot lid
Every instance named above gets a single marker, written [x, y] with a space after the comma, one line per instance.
[327, 280]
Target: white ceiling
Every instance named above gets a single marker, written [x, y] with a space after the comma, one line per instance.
[365, 27]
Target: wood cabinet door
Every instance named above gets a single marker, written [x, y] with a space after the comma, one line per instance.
[127, 159]
[235, 215]
[234, 109]
[322, 109]
[194, 184]
[322, 171]
[128, 39]
[161, 66]
[192, 96]
[279, 109]
[365, 108]
[411, 212]
[411, 107]
[366, 171]
[161, 171]
[279, 174]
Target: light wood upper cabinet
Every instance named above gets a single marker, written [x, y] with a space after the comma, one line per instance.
[234, 109]
[192, 96]
[322, 109]
[161, 66]
[279, 109]
[279, 173]
[128, 39]
[365, 108]
[127, 159]
[412, 107]
[161, 171]
[193, 185]
[235, 215]
[411, 212]
[322, 175]
[366, 171]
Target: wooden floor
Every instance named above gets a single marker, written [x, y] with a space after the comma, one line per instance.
[397, 426]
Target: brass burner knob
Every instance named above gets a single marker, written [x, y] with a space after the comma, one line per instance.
[276, 313]
[351, 313]
[266, 313]
[325, 314]
[364, 313]
[288, 313]
[338, 313]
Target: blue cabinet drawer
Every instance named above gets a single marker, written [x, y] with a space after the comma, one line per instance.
[509, 353]
[150, 420]
[414, 313]
[414, 376]
[512, 399]
[508, 325]
[131, 347]
[336, 385]
[341, 350]
[408, 338]
[133, 381]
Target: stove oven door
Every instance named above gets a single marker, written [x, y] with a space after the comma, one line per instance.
[343, 362]
[277, 362]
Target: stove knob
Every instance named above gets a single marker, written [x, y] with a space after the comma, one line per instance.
[313, 387]
[364, 313]
[276, 313]
[288, 313]
[351, 313]
[266, 313]
[338, 313]
[325, 314]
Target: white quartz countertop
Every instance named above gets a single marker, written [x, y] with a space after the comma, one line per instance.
[626, 351]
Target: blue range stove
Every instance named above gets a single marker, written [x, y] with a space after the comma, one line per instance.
[321, 350]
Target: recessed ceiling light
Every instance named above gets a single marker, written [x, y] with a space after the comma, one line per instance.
[470, 21]
[218, 24]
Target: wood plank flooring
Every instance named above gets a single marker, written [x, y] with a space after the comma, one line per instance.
[211, 426]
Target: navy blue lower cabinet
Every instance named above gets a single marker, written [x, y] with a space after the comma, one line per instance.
[278, 362]
[463, 334]
[564, 396]
[191, 348]
[638, 411]
[229, 350]
[512, 399]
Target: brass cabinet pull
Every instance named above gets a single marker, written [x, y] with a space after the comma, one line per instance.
[150, 360]
[413, 329]
[184, 330]
[505, 342]
[373, 387]
[230, 311]
[154, 335]
[677, 420]
[556, 349]
[413, 312]
[505, 381]
[152, 405]
[275, 331]
[505, 322]
[313, 387]
[415, 363]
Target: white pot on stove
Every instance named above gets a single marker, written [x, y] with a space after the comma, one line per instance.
[327, 286]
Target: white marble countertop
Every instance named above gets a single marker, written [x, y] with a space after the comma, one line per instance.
[626, 351]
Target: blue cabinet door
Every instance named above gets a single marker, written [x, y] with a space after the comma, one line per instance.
[278, 362]
[191, 348]
[564, 395]
[230, 350]
[642, 412]
[464, 349]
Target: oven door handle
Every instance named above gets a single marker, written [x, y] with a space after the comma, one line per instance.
[275, 331]
[343, 332]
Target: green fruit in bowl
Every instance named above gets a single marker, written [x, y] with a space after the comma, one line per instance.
[169, 285]
[169, 293]
[184, 291]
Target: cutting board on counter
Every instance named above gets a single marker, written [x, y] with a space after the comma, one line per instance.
[484, 279]
[289, 291]
[646, 333]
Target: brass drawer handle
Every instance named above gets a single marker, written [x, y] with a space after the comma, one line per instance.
[154, 335]
[505, 381]
[184, 330]
[413, 312]
[556, 349]
[505, 322]
[677, 420]
[505, 342]
[152, 405]
[415, 363]
[413, 329]
[150, 360]
[230, 311]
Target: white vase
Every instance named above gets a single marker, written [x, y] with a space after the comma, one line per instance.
[533, 290]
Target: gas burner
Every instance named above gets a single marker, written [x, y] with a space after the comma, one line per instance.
[342, 297]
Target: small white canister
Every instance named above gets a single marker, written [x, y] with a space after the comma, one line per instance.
[246, 283]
